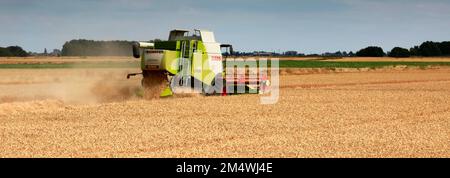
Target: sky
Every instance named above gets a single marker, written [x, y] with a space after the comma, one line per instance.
[307, 26]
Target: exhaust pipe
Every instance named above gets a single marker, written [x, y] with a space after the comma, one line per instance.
[136, 50]
[138, 45]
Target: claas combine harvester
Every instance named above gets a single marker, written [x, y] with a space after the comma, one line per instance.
[193, 61]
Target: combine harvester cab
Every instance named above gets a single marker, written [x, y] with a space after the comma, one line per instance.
[193, 62]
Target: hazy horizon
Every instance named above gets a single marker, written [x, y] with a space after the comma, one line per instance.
[253, 25]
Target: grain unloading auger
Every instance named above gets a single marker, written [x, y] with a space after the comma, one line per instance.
[193, 61]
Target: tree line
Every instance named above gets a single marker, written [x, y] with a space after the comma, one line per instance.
[426, 49]
[83, 47]
[13, 51]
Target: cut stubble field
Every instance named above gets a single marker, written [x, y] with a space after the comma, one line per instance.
[96, 113]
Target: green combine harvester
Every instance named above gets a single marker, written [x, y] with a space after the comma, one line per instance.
[192, 61]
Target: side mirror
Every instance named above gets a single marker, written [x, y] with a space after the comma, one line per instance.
[136, 50]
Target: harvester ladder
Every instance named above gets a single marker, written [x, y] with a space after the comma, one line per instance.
[184, 63]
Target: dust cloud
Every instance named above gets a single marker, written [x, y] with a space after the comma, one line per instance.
[89, 86]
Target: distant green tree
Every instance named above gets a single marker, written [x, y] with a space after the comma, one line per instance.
[445, 48]
[415, 51]
[4, 52]
[429, 48]
[290, 53]
[351, 54]
[13, 51]
[399, 52]
[371, 51]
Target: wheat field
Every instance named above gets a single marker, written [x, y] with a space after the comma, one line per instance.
[96, 113]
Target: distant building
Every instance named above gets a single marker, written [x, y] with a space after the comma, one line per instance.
[55, 52]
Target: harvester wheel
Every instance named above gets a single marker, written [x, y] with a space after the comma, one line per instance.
[154, 83]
